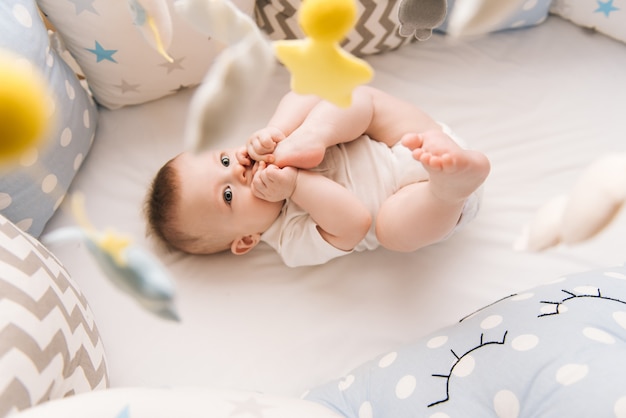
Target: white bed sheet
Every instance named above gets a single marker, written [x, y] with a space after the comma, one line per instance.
[542, 103]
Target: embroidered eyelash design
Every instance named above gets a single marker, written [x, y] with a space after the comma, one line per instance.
[458, 360]
[572, 295]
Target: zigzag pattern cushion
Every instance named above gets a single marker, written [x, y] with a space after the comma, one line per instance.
[376, 30]
[50, 346]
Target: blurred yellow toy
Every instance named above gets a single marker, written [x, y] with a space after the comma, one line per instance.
[24, 116]
[317, 63]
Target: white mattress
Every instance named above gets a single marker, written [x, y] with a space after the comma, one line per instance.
[542, 103]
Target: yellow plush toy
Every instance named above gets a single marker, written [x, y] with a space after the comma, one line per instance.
[317, 63]
[24, 116]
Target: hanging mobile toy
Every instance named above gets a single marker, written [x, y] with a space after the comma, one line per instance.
[318, 65]
[129, 267]
[152, 18]
[24, 112]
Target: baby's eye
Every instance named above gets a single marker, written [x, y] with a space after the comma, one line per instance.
[225, 160]
[228, 195]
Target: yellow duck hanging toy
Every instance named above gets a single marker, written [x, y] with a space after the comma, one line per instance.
[24, 116]
[317, 63]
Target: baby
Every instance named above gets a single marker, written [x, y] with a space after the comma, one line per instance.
[320, 182]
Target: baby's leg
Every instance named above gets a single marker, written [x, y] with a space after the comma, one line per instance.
[423, 213]
[324, 126]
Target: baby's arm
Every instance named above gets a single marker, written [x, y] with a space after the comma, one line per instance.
[341, 218]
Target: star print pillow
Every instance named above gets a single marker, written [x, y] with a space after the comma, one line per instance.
[118, 63]
[605, 16]
[553, 351]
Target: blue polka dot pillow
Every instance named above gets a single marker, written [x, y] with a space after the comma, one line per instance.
[527, 13]
[118, 63]
[32, 188]
[554, 351]
[607, 17]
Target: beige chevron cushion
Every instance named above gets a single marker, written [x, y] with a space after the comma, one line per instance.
[376, 30]
[49, 343]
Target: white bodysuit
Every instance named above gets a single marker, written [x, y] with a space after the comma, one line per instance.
[371, 170]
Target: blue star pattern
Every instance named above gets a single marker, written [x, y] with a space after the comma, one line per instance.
[103, 54]
[605, 7]
[84, 5]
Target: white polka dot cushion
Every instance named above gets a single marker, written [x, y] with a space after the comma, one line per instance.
[607, 17]
[376, 30]
[554, 351]
[119, 65]
[528, 13]
[49, 343]
[32, 189]
[178, 402]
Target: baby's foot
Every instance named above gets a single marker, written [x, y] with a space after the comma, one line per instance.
[300, 154]
[455, 173]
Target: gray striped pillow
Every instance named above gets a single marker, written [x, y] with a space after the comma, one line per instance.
[50, 346]
[376, 30]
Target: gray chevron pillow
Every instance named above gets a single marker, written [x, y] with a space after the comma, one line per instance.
[49, 343]
[376, 30]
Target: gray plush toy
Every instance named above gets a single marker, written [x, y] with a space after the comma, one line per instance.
[420, 17]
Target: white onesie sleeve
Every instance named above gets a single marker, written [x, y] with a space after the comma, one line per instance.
[297, 240]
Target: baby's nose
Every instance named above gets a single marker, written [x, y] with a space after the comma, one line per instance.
[241, 173]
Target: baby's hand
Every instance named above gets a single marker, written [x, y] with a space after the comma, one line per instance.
[272, 183]
[262, 144]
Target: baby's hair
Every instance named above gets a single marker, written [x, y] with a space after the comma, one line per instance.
[160, 211]
[160, 205]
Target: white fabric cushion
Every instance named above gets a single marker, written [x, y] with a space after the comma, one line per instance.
[118, 63]
[607, 17]
[178, 402]
[50, 346]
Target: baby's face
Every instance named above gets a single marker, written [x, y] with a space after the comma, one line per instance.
[216, 195]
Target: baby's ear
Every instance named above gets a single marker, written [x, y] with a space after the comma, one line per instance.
[244, 244]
